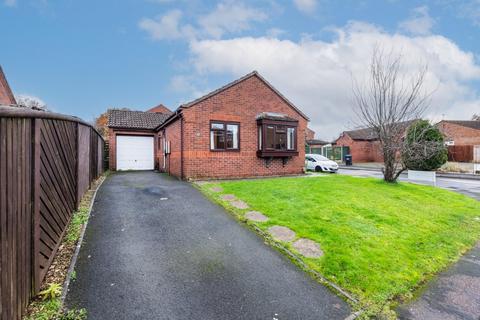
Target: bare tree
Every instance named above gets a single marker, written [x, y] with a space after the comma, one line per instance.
[31, 102]
[387, 103]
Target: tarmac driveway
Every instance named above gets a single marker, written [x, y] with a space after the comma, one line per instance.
[156, 248]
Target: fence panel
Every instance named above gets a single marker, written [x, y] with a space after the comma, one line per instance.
[44, 172]
[15, 216]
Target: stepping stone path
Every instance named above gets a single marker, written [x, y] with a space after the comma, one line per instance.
[216, 189]
[228, 197]
[308, 248]
[201, 183]
[282, 233]
[239, 204]
[255, 216]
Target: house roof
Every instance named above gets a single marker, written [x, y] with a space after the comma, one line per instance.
[160, 109]
[227, 86]
[135, 119]
[369, 134]
[235, 82]
[6, 94]
[317, 142]
[472, 124]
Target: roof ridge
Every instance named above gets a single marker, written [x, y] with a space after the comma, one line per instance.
[235, 82]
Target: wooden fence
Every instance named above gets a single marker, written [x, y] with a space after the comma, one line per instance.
[47, 162]
[460, 153]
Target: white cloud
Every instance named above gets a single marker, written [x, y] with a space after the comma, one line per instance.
[419, 23]
[229, 16]
[10, 3]
[316, 75]
[166, 26]
[306, 6]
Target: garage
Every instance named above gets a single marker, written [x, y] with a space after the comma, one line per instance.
[135, 152]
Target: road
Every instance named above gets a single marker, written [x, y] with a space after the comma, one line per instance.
[468, 187]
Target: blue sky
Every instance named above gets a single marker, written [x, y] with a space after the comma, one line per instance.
[82, 57]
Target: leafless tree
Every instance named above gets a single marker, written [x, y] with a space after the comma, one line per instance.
[31, 102]
[387, 102]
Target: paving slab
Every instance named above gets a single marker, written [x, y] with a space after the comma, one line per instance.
[256, 216]
[228, 197]
[281, 233]
[308, 248]
[184, 258]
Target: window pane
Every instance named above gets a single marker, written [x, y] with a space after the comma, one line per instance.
[280, 141]
[217, 126]
[232, 136]
[270, 137]
[291, 138]
[260, 138]
[217, 140]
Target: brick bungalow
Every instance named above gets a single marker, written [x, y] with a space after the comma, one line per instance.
[243, 129]
[313, 145]
[364, 144]
[460, 132]
[6, 94]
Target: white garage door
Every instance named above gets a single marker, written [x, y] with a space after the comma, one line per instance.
[134, 153]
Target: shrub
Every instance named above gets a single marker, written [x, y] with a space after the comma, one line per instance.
[424, 148]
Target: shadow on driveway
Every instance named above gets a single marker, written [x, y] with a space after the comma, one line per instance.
[156, 248]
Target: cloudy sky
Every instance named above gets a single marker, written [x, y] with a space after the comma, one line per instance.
[82, 57]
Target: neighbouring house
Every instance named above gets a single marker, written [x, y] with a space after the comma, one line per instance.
[313, 145]
[244, 129]
[461, 137]
[460, 132]
[6, 94]
[363, 144]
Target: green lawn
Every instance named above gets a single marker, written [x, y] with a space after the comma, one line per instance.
[381, 241]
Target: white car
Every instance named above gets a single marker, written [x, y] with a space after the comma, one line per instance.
[319, 163]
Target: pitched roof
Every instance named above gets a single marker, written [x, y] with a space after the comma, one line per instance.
[473, 124]
[275, 116]
[160, 109]
[6, 94]
[369, 134]
[135, 119]
[233, 83]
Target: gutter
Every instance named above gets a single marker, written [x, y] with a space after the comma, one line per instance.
[173, 117]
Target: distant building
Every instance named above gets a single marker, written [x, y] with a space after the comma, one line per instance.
[460, 132]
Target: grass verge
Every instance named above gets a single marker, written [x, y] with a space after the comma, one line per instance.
[381, 241]
[48, 304]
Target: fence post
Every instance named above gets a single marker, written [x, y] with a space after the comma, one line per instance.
[36, 204]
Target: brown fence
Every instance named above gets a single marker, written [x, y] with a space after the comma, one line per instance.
[460, 153]
[47, 162]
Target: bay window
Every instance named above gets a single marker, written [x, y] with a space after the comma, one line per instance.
[277, 138]
[224, 136]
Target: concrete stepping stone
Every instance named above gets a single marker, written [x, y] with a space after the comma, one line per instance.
[281, 233]
[239, 204]
[228, 197]
[255, 216]
[308, 248]
[216, 189]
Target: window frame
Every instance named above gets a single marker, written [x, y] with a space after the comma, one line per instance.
[224, 130]
[262, 148]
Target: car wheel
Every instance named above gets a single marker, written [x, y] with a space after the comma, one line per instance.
[318, 169]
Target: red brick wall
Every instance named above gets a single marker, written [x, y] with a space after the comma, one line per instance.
[459, 134]
[6, 95]
[309, 134]
[361, 151]
[240, 103]
[112, 143]
[172, 163]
